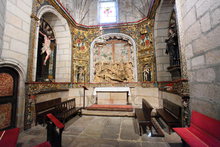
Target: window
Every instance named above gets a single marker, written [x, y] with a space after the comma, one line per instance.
[107, 11]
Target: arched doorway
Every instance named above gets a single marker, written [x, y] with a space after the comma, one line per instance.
[8, 97]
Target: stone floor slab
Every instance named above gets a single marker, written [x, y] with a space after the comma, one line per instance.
[129, 144]
[92, 142]
[73, 130]
[128, 131]
[110, 132]
[155, 144]
[97, 131]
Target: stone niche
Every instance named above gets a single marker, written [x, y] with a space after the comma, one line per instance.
[113, 59]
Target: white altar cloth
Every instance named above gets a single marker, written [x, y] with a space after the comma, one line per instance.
[112, 89]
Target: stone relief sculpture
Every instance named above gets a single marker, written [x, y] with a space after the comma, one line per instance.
[113, 60]
[113, 72]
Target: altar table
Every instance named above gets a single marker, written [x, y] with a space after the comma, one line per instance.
[112, 89]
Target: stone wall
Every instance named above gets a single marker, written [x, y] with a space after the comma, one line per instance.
[161, 25]
[64, 95]
[149, 94]
[174, 98]
[17, 31]
[137, 94]
[78, 93]
[2, 22]
[14, 53]
[200, 25]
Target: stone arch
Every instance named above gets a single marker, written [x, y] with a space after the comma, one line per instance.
[7, 63]
[63, 39]
[161, 25]
[112, 35]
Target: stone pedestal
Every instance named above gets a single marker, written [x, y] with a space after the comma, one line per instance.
[175, 72]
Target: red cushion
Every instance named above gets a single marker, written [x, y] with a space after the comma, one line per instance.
[203, 131]
[55, 121]
[10, 137]
[205, 137]
[189, 137]
[207, 124]
[44, 144]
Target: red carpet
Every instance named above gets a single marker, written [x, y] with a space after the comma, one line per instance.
[127, 108]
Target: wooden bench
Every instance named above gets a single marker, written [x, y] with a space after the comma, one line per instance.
[203, 131]
[43, 108]
[143, 116]
[170, 113]
[67, 109]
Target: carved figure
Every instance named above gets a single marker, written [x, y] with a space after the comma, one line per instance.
[46, 47]
[146, 73]
[113, 72]
[80, 74]
[129, 71]
[97, 77]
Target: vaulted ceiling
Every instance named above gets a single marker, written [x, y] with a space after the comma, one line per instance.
[86, 12]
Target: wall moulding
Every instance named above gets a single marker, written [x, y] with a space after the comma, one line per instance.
[179, 87]
[33, 88]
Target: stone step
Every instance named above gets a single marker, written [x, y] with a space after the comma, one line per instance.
[107, 113]
[125, 108]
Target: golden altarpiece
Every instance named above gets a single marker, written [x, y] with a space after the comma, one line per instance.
[125, 58]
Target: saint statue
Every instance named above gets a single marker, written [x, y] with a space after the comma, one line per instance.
[172, 47]
[80, 75]
[146, 73]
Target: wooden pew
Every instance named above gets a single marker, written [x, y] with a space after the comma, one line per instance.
[170, 113]
[43, 108]
[144, 116]
[67, 109]
[159, 132]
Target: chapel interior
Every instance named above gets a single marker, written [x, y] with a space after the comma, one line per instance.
[125, 73]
